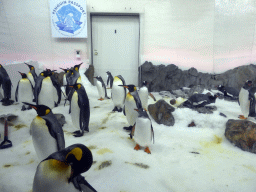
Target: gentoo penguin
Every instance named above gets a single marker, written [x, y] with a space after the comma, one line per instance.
[46, 131]
[143, 131]
[143, 93]
[24, 91]
[44, 90]
[110, 79]
[228, 91]
[101, 88]
[61, 171]
[118, 93]
[199, 100]
[247, 101]
[32, 74]
[132, 101]
[6, 84]
[57, 90]
[80, 109]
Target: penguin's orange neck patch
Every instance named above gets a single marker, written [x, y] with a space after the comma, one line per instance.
[57, 165]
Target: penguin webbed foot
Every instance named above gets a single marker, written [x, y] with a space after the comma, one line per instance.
[79, 180]
[6, 102]
[55, 104]
[78, 134]
[128, 128]
[115, 109]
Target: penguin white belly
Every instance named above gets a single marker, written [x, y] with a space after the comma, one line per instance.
[244, 102]
[64, 80]
[75, 110]
[43, 142]
[131, 114]
[142, 133]
[118, 94]
[25, 92]
[45, 96]
[52, 180]
[101, 90]
[31, 78]
[55, 95]
[79, 80]
[143, 93]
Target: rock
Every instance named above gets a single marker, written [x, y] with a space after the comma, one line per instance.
[89, 73]
[242, 133]
[192, 124]
[223, 115]
[60, 118]
[161, 112]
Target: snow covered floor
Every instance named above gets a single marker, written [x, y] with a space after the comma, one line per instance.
[182, 158]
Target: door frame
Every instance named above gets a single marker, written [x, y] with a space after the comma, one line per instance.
[90, 46]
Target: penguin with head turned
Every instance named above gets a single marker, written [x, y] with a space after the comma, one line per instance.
[143, 93]
[80, 109]
[65, 76]
[47, 133]
[6, 84]
[142, 131]
[110, 79]
[24, 91]
[132, 101]
[61, 171]
[118, 93]
[247, 101]
[32, 76]
[101, 88]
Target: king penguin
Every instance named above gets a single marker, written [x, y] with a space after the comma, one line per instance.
[110, 79]
[80, 110]
[61, 171]
[132, 101]
[247, 101]
[101, 88]
[32, 74]
[24, 91]
[6, 84]
[46, 131]
[143, 93]
[65, 76]
[118, 93]
[143, 131]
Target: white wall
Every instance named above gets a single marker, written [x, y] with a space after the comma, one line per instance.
[210, 35]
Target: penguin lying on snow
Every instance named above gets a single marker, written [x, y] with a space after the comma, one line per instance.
[80, 109]
[24, 91]
[6, 84]
[143, 131]
[199, 100]
[110, 79]
[61, 171]
[101, 88]
[118, 93]
[247, 101]
[228, 91]
[132, 101]
[46, 131]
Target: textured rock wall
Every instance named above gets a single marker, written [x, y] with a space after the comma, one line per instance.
[170, 77]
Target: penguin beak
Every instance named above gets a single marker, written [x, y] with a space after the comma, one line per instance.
[136, 109]
[123, 86]
[31, 105]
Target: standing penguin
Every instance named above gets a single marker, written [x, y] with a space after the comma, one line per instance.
[80, 110]
[65, 76]
[24, 91]
[44, 90]
[143, 131]
[247, 101]
[143, 93]
[109, 79]
[118, 93]
[61, 171]
[132, 101]
[6, 84]
[46, 131]
[101, 88]
[32, 74]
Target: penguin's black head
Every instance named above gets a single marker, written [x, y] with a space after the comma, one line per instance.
[213, 98]
[131, 88]
[108, 73]
[220, 87]
[247, 85]
[78, 156]
[23, 75]
[41, 110]
[76, 86]
[31, 67]
[65, 70]
[144, 83]
[76, 67]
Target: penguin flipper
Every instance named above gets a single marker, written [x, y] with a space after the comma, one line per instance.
[124, 111]
[81, 184]
[16, 92]
[152, 132]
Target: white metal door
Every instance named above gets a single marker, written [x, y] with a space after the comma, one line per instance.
[115, 46]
